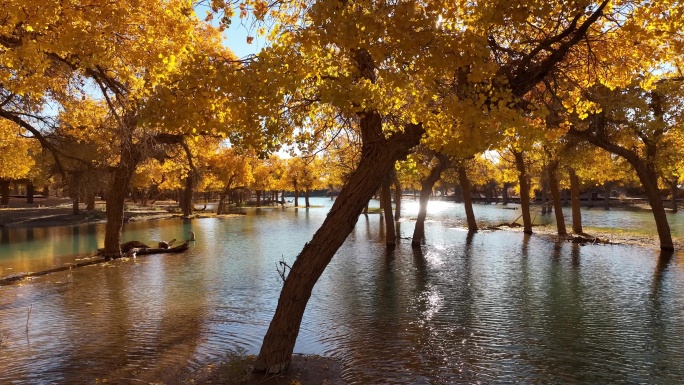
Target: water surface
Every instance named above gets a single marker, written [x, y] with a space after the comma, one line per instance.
[489, 307]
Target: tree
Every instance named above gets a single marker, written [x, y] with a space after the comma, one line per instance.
[15, 157]
[382, 69]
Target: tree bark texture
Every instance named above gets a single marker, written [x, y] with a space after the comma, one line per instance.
[524, 192]
[467, 201]
[307, 193]
[425, 192]
[648, 176]
[556, 196]
[30, 191]
[575, 203]
[187, 194]
[386, 198]
[378, 157]
[4, 192]
[118, 188]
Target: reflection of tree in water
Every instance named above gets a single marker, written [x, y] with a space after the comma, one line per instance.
[663, 349]
[139, 325]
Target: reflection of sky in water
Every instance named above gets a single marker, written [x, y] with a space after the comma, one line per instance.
[485, 307]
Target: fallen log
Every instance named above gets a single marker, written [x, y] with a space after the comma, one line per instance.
[132, 252]
[158, 250]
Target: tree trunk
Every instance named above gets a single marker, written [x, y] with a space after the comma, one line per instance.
[467, 201]
[296, 198]
[258, 196]
[118, 188]
[544, 193]
[524, 192]
[187, 195]
[219, 208]
[4, 192]
[673, 191]
[386, 199]
[504, 193]
[556, 196]
[606, 195]
[649, 179]
[90, 199]
[425, 191]
[378, 158]
[575, 203]
[30, 191]
[115, 210]
[397, 196]
[74, 205]
[307, 193]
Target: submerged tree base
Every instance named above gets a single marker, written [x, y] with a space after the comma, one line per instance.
[238, 369]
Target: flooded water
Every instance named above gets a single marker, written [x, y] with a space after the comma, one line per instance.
[486, 307]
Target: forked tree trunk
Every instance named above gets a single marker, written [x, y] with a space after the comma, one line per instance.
[30, 191]
[307, 193]
[524, 192]
[378, 157]
[575, 203]
[673, 191]
[467, 201]
[556, 196]
[425, 191]
[386, 199]
[4, 192]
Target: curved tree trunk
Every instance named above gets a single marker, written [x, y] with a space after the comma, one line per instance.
[556, 196]
[649, 179]
[425, 192]
[524, 192]
[378, 157]
[386, 199]
[575, 203]
[467, 201]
